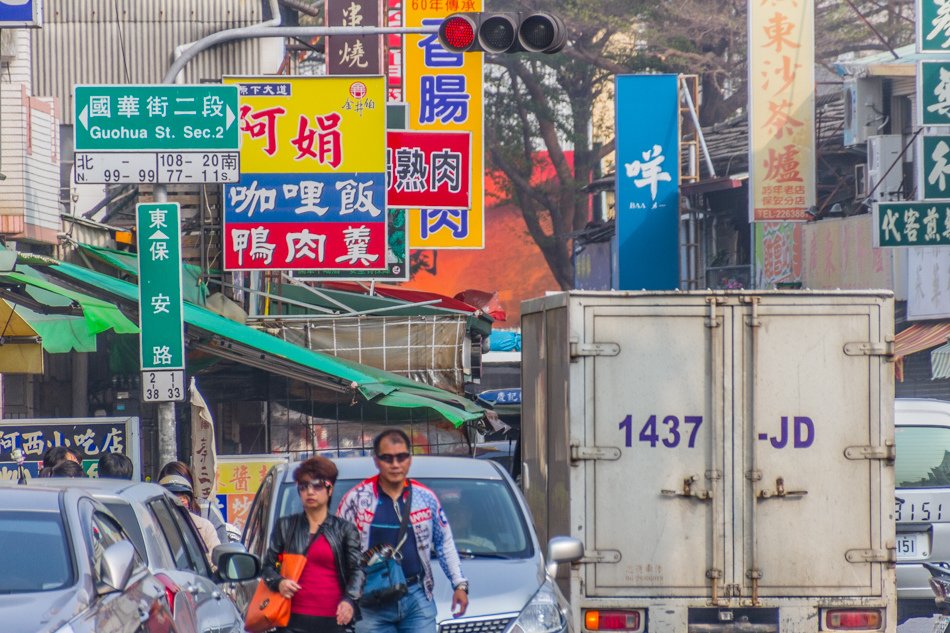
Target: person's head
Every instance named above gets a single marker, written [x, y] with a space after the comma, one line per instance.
[58, 454]
[392, 453]
[177, 468]
[115, 466]
[67, 468]
[181, 488]
[315, 479]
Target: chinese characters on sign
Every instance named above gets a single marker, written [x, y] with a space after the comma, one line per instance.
[445, 93]
[935, 166]
[933, 26]
[354, 54]
[312, 190]
[912, 224]
[781, 106]
[429, 169]
[933, 93]
[648, 174]
[158, 231]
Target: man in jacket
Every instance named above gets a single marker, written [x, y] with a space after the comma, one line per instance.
[376, 507]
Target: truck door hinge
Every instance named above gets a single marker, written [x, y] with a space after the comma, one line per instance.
[867, 348]
[601, 556]
[687, 491]
[871, 555]
[579, 350]
[609, 453]
[887, 452]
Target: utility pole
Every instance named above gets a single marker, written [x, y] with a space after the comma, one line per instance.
[167, 422]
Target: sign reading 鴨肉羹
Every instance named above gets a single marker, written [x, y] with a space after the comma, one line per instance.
[312, 193]
[933, 26]
[781, 110]
[158, 232]
[648, 176]
[444, 90]
[911, 224]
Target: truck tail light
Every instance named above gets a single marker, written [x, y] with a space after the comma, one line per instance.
[853, 619]
[171, 590]
[613, 620]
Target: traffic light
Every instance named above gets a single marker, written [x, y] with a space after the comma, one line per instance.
[538, 32]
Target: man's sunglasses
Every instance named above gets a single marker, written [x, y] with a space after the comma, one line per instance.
[316, 485]
[389, 458]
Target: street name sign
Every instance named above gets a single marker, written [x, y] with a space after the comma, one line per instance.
[911, 224]
[181, 133]
[158, 232]
[933, 26]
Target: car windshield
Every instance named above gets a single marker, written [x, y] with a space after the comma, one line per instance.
[484, 514]
[25, 536]
[923, 460]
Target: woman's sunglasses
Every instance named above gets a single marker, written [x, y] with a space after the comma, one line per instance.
[389, 458]
[316, 485]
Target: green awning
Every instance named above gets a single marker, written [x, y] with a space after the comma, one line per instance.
[375, 385]
[192, 288]
[60, 333]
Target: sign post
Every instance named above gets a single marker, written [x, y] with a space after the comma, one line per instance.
[156, 134]
[158, 230]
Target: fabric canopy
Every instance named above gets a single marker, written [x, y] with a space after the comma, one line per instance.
[20, 348]
[917, 338]
[940, 362]
[374, 385]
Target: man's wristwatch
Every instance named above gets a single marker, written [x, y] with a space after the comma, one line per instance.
[463, 586]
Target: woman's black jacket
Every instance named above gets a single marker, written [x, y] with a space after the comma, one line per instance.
[292, 535]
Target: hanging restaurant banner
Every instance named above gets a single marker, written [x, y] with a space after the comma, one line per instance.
[312, 193]
[444, 93]
[782, 110]
[429, 169]
[354, 54]
[933, 26]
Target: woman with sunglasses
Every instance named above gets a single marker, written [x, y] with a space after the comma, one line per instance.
[324, 599]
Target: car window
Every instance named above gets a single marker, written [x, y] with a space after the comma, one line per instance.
[923, 461]
[169, 525]
[129, 522]
[105, 532]
[192, 540]
[24, 536]
[254, 532]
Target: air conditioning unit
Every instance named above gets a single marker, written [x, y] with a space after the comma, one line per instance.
[885, 167]
[863, 109]
[8, 41]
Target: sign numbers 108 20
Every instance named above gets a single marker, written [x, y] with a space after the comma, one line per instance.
[163, 386]
[668, 430]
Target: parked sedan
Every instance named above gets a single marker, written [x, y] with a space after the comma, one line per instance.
[510, 588]
[69, 567]
[162, 532]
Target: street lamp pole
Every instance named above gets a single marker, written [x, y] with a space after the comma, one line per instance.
[167, 423]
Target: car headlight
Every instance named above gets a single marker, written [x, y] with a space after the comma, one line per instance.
[542, 614]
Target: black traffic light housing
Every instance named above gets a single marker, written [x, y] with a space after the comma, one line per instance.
[536, 32]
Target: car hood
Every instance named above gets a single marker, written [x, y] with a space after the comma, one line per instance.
[496, 586]
[40, 612]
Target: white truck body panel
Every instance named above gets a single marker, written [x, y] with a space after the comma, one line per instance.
[717, 450]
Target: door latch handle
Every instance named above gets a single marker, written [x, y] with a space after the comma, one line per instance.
[780, 491]
[687, 491]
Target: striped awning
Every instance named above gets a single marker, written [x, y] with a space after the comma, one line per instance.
[917, 338]
[940, 362]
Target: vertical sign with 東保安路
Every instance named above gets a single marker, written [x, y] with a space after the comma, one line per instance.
[933, 92]
[354, 54]
[781, 110]
[444, 92]
[935, 167]
[312, 193]
[933, 26]
[158, 231]
[648, 179]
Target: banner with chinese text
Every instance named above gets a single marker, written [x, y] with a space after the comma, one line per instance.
[933, 92]
[648, 181]
[237, 481]
[312, 193]
[933, 26]
[354, 54]
[158, 231]
[444, 91]
[935, 167]
[912, 224]
[429, 169]
[782, 109]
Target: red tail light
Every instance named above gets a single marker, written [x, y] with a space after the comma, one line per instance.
[171, 590]
[595, 620]
[853, 619]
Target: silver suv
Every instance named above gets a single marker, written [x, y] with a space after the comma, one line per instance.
[491, 523]
[68, 567]
[171, 547]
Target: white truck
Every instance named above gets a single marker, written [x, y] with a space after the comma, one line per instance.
[726, 457]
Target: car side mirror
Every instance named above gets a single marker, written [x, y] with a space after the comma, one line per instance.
[118, 562]
[562, 549]
[235, 564]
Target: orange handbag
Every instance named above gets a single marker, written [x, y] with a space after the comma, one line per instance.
[268, 609]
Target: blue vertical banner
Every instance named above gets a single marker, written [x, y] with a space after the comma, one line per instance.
[648, 182]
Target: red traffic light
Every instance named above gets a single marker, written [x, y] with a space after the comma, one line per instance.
[495, 33]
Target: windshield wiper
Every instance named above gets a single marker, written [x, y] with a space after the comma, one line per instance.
[484, 555]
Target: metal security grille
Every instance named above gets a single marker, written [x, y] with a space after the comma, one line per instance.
[497, 625]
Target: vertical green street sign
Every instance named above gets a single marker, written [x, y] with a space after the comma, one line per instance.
[933, 27]
[911, 224]
[933, 92]
[158, 230]
[935, 164]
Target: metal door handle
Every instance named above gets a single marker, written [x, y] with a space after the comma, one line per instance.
[780, 491]
[687, 491]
